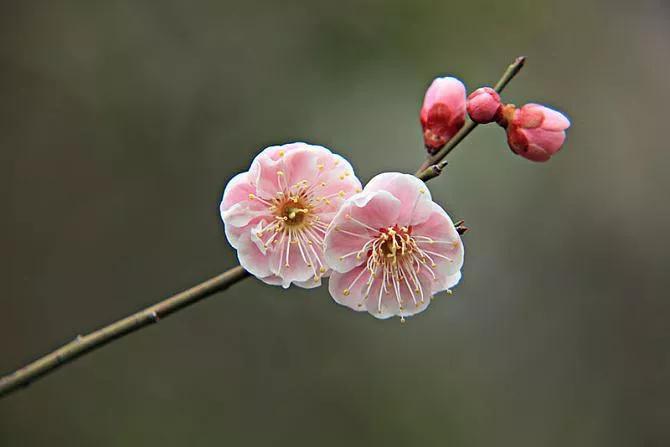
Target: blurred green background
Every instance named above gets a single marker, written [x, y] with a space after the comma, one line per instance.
[121, 122]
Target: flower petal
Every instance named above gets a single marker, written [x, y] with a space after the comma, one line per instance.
[447, 283]
[438, 237]
[409, 190]
[251, 258]
[347, 288]
[357, 222]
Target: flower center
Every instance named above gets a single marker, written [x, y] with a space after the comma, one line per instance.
[397, 259]
[296, 226]
[392, 245]
[294, 212]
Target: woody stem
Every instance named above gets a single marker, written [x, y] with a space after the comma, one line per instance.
[87, 343]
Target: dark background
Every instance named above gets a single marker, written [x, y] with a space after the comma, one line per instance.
[121, 122]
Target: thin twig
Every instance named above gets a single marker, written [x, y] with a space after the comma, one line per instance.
[87, 343]
[431, 167]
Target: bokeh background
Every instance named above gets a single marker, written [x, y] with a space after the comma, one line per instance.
[121, 122]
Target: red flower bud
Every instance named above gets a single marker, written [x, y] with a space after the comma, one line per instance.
[443, 112]
[483, 105]
[534, 132]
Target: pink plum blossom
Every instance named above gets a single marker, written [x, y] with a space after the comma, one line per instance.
[534, 132]
[392, 248]
[276, 214]
[483, 105]
[443, 112]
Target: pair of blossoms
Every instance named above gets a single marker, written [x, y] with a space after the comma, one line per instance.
[299, 214]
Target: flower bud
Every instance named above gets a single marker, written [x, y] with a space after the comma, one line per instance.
[534, 132]
[443, 112]
[483, 105]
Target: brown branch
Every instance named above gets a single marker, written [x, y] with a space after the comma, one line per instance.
[87, 343]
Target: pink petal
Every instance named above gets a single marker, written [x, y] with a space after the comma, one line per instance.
[412, 298]
[237, 190]
[237, 210]
[409, 190]
[446, 249]
[447, 90]
[535, 153]
[553, 119]
[264, 172]
[357, 222]
[446, 282]
[345, 291]
[297, 269]
[550, 141]
[251, 258]
[342, 240]
[375, 210]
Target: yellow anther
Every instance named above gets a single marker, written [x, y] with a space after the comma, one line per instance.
[282, 153]
[280, 172]
[322, 270]
[252, 196]
[346, 292]
[341, 193]
[319, 167]
[422, 191]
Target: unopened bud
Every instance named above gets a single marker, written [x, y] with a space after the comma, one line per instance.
[443, 112]
[534, 132]
[483, 105]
